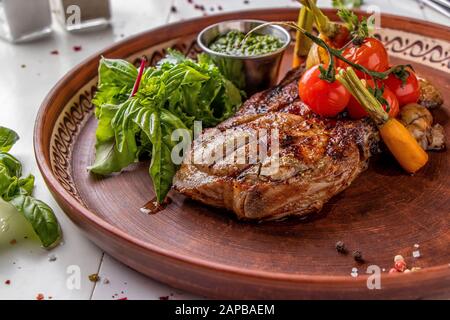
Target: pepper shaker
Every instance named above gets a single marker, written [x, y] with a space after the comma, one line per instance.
[24, 20]
[79, 15]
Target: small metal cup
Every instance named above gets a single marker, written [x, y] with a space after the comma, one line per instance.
[248, 73]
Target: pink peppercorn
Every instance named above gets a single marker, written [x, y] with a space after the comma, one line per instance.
[393, 270]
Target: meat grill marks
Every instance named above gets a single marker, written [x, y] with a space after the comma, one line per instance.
[284, 95]
[317, 158]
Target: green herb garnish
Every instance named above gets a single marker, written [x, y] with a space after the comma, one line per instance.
[256, 44]
[17, 191]
[354, 4]
[171, 96]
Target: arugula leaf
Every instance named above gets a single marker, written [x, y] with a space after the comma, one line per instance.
[232, 70]
[8, 138]
[41, 218]
[172, 57]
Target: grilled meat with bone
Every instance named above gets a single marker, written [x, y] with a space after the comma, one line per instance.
[317, 157]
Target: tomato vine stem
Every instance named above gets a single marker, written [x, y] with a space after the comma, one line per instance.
[329, 75]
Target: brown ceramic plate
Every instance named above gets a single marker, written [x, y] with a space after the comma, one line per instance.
[204, 250]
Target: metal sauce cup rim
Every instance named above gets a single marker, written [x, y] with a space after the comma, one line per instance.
[206, 49]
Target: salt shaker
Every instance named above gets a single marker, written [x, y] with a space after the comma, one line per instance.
[24, 20]
[79, 15]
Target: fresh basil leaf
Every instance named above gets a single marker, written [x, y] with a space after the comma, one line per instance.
[172, 120]
[108, 158]
[171, 96]
[41, 218]
[117, 71]
[123, 124]
[16, 186]
[159, 126]
[5, 179]
[17, 191]
[8, 138]
[12, 165]
[10, 169]
[115, 83]
[162, 169]
[26, 185]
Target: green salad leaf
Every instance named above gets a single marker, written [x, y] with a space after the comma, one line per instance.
[18, 190]
[112, 155]
[115, 81]
[8, 138]
[171, 95]
[354, 4]
[40, 216]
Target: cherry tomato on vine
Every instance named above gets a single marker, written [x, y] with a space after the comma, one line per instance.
[407, 92]
[341, 38]
[324, 98]
[371, 54]
[357, 112]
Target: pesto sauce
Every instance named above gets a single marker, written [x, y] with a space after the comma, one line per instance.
[255, 44]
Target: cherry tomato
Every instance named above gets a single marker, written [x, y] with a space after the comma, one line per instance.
[371, 54]
[357, 112]
[407, 92]
[341, 38]
[324, 98]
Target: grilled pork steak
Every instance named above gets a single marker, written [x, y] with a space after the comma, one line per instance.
[317, 157]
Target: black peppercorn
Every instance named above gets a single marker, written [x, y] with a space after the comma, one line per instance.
[340, 247]
[357, 255]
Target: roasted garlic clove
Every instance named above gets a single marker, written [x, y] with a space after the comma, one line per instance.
[419, 122]
[436, 140]
[430, 97]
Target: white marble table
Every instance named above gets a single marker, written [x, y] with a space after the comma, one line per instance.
[28, 72]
